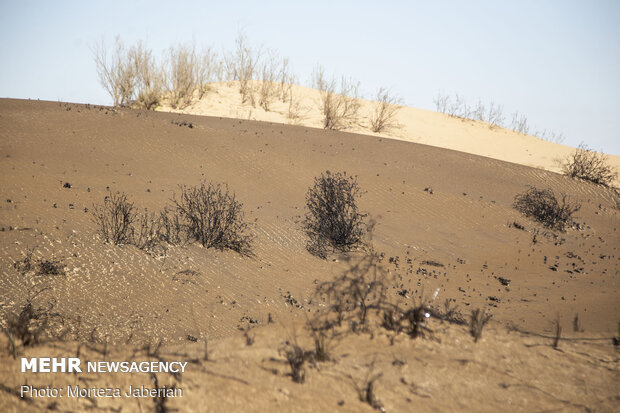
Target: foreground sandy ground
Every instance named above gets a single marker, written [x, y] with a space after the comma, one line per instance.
[444, 221]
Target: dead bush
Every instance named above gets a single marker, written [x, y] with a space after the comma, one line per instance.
[267, 88]
[366, 388]
[211, 215]
[51, 267]
[182, 74]
[117, 72]
[296, 358]
[333, 220]
[340, 108]
[286, 80]
[241, 66]
[115, 219]
[148, 231]
[589, 165]
[32, 325]
[209, 70]
[323, 334]
[170, 228]
[544, 207]
[477, 322]
[149, 77]
[26, 264]
[356, 293]
[384, 112]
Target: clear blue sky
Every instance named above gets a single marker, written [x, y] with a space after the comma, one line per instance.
[558, 62]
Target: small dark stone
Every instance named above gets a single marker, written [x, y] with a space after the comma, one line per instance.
[67, 185]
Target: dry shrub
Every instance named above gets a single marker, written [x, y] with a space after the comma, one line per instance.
[384, 112]
[268, 87]
[115, 219]
[286, 79]
[340, 108]
[149, 77]
[51, 267]
[211, 215]
[366, 388]
[477, 322]
[589, 165]
[241, 66]
[544, 207]
[351, 297]
[182, 74]
[323, 334]
[116, 72]
[296, 358]
[333, 221]
[32, 325]
[209, 69]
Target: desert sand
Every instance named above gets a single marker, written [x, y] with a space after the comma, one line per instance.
[414, 125]
[444, 223]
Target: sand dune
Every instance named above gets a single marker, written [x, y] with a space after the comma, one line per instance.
[458, 239]
[415, 125]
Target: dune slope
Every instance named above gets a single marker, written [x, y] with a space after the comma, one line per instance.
[444, 221]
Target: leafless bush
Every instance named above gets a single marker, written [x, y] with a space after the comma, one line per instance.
[558, 332]
[267, 88]
[182, 74]
[333, 220]
[115, 219]
[211, 215]
[296, 358]
[477, 322]
[323, 333]
[26, 264]
[116, 72]
[449, 312]
[149, 80]
[146, 234]
[495, 115]
[549, 136]
[544, 207]
[458, 108]
[286, 80]
[340, 108]
[30, 325]
[170, 228]
[366, 389]
[209, 69]
[384, 112]
[589, 165]
[353, 295]
[519, 123]
[241, 66]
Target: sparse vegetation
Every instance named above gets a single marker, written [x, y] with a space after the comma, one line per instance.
[115, 219]
[296, 358]
[51, 267]
[477, 322]
[589, 165]
[351, 296]
[211, 215]
[241, 66]
[333, 220]
[340, 108]
[149, 80]
[544, 207]
[116, 72]
[183, 66]
[384, 112]
[493, 114]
